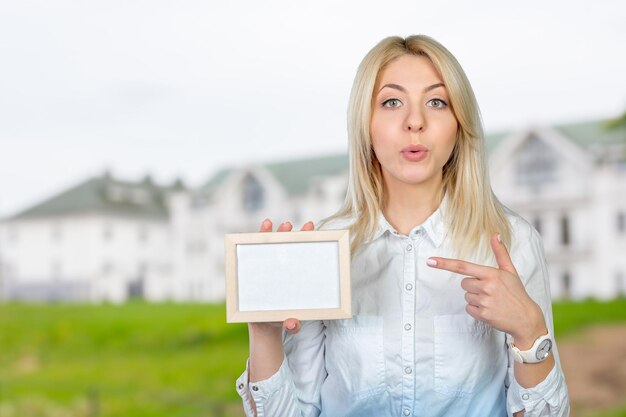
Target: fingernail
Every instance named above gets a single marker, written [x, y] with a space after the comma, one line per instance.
[499, 239]
[291, 326]
[266, 222]
[431, 262]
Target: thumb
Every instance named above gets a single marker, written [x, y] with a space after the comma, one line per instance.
[502, 254]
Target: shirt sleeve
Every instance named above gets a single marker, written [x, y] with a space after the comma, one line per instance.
[549, 398]
[294, 390]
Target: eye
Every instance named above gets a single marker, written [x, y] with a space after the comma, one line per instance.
[437, 103]
[392, 102]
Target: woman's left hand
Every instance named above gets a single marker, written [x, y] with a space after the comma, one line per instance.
[497, 296]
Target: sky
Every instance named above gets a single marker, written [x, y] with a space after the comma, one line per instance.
[182, 89]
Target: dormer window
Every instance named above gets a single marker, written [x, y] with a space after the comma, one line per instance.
[536, 163]
[253, 194]
[134, 195]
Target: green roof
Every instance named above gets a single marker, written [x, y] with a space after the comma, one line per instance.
[105, 195]
[594, 133]
[295, 176]
[215, 181]
[586, 134]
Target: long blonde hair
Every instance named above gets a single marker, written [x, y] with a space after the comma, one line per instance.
[473, 212]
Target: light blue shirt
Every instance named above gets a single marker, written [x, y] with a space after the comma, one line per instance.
[410, 349]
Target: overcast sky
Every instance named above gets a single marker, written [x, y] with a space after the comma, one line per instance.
[181, 89]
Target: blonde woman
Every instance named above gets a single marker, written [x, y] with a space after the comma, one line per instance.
[450, 296]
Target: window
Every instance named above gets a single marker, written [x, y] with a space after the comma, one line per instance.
[536, 164]
[126, 194]
[252, 194]
[566, 283]
[621, 222]
[139, 196]
[565, 232]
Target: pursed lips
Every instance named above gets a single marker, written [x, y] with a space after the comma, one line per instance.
[414, 153]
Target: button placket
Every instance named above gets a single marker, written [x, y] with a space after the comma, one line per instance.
[408, 317]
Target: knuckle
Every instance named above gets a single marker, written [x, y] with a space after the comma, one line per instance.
[460, 268]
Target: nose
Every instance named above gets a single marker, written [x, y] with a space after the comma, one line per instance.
[414, 120]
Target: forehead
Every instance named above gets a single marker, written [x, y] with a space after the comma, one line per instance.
[409, 70]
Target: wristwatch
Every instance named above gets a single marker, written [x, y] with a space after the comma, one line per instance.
[537, 353]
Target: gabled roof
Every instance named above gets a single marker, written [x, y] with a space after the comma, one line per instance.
[585, 134]
[295, 176]
[105, 195]
[597, 133]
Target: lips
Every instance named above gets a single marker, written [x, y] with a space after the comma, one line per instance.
[414, 153]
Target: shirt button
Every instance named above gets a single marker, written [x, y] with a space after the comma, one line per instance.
[408, 370]
[255, 388]
[240, 386]
[525, 396]
[407, 326]
[406, 412]
[409, 287]
[409, 247]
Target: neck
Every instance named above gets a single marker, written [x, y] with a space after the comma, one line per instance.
[409, 205]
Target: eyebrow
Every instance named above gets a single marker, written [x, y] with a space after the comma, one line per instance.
[400, 88]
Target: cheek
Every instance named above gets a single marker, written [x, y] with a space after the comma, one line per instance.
[447, 145]
[378, 134]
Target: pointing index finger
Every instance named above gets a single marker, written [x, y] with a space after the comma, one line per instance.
[460, 267]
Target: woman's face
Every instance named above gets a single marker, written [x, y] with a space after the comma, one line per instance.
[413, 128]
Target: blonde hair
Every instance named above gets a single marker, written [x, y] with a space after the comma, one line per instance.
[473, 212]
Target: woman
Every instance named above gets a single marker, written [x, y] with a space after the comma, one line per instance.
[431, 334]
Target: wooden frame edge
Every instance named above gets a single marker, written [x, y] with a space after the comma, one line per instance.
[231, 240]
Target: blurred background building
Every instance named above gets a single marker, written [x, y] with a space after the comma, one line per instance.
[110, 240]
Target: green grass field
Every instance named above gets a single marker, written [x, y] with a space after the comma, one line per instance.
[149, 360]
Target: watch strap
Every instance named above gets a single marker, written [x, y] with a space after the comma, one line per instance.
[538, 352]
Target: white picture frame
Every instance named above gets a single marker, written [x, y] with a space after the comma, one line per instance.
[272, 276]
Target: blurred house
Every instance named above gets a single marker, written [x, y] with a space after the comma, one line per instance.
[112, 240]
[99, 240]
[570, 183]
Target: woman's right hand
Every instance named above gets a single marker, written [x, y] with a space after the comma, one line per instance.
[291, 325]
[266, 345]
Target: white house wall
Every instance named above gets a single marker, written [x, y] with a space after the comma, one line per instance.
[74, 250]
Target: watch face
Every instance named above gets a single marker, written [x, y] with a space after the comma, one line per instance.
[544, 349]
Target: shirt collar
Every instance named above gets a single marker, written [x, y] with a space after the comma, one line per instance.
[434, 226]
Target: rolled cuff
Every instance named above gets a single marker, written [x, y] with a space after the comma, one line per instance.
[261, 391]
[548, 398]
